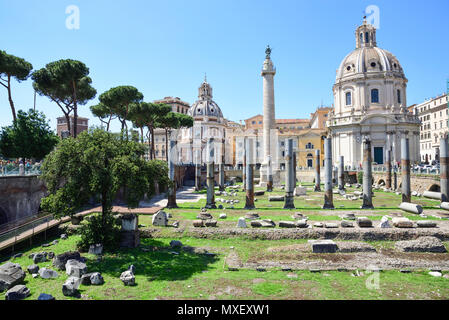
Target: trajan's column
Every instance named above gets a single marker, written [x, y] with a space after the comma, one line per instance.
[269, 124]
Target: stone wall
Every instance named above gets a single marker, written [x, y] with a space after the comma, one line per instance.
[419, 183]
[20, 197]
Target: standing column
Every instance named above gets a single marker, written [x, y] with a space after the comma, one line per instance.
[269, 122]
[210, 202]
[405, 155]
[289, 176]
[328, 196]
[444, 167]
[249, 175]
[221, 174]
[171, 203]
[269, 175]
[395, 178]
[334, 176]
[388, 184]
[317, 171]
[367, 176]
[197, 162]
[341, 173]
[197, 176]
[294, 169]
[244, 164]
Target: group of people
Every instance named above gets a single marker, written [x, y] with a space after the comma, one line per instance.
[7, 166]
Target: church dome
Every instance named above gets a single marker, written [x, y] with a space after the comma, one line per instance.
[205, 106]
[367, 59]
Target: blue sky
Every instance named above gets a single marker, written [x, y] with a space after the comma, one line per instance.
[164, 48]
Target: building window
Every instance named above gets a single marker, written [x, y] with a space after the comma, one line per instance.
[309, 146]
[375, 96]
[366, 37]
[348, 98]
[399, 96]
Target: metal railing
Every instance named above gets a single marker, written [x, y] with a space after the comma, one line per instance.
[14, 171]
[14, 232]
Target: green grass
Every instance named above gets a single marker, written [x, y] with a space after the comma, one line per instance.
[163, 275]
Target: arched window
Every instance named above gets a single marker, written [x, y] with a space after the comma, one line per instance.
[348, 98]
[366, 37]
[310, 155]
[361, 38]
[375, 96]
[399, 96]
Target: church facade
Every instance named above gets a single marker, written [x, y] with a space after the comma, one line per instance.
[370, 99]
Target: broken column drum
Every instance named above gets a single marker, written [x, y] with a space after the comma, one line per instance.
[129, 234]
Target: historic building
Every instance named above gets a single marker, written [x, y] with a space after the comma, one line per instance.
[433, 114]
[208, 123]
[160, 144]
[82, 125]
[306, 139]
[370, 99]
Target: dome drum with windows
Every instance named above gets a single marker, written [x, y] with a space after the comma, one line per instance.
[205, 109]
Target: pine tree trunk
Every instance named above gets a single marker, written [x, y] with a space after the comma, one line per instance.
[75, 111]
[67, 118]
[11, 103]
[166, 144]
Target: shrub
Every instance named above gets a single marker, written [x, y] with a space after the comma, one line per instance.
[360, 177]
[97, 229]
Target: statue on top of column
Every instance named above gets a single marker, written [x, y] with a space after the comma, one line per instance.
[268, 52]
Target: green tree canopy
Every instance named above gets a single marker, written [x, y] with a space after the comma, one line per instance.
[153, 114]
[13, 67]
[96, 164]
[185, 121]
[66, 82]
[29, 137]
[104, 113]
[119, 100]
[173, 120]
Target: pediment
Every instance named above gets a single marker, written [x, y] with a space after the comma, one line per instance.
[380, 119]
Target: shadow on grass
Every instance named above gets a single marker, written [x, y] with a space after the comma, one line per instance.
[160, 264]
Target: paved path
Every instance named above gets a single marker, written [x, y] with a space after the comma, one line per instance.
[185, 194]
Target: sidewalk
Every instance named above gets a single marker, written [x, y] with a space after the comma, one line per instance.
[185, 194]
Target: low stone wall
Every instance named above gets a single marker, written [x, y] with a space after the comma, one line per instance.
[20, 197]
[358, 234]
[419, 183]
